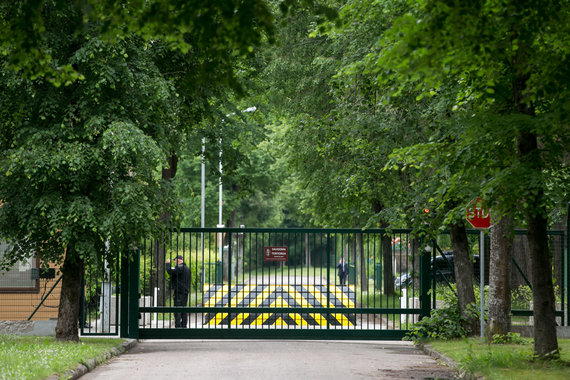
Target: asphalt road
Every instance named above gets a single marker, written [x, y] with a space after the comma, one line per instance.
[272, 359]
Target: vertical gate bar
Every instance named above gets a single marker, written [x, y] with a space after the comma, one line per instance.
[328, 255]
[296, 245]
[367, 269]
[382, 287]
[567, 266]
[199, 271]
[567, 256]
[191, 265]
[375, 262]
[360, 247]
[194, 274]
[82, 295]
[144, 286]
[258, 263]
[247, 237]
[230, 273]
[397, 252]
[219, 269]
[166, 242]
[425, 282]
[116, 280]
[202, 246]
[164, 280]
[282, 264]
[124, 324]
[371, 241]
[134, 269]
[198, 243]
[433, 272]
[151, 280]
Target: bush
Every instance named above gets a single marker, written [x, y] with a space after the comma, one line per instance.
[508, 338]
[444, 323]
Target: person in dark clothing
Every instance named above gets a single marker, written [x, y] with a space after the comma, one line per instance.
[180, 284]
[342, 271]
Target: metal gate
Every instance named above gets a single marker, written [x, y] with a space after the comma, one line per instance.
[284, 283]
[277, 283]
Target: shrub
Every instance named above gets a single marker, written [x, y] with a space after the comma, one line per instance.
[508, 338]
[444, 323]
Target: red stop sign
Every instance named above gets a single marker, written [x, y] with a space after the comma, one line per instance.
[478, 214]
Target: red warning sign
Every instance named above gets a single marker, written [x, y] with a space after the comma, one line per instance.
[275, 253]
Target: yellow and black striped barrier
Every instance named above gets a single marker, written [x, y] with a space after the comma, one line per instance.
[280, 296]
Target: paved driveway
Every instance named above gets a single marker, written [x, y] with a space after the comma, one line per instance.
[267, 359]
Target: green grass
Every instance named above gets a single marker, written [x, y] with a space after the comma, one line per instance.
[505, 361]
[23, 357]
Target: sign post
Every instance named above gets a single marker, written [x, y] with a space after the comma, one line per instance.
[479, 217]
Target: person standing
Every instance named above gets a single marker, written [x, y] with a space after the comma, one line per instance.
[342, 271]
[180, 284]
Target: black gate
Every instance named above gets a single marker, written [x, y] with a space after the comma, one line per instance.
[284, 283]
[279, 283]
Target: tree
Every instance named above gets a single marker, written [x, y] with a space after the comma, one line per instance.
[87, 156]
[89, 117]
[499, 316]
[507, 60]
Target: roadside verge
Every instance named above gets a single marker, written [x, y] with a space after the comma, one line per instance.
[88, 365]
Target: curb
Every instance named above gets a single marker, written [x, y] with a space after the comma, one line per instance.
[429, 350]
[90, 364]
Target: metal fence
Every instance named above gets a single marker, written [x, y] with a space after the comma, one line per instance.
[284, 283]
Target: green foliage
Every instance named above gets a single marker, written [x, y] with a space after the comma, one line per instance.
[508, 338]
[521, 297]
[41, 357]
[222, 30]
[87, 156]
[443, 323]
[504, 361]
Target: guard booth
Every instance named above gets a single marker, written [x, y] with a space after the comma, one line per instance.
[277, 283]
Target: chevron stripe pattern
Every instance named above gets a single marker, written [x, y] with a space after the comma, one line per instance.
[280, 296]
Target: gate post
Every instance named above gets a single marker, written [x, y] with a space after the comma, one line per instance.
[425, 283]
[134, 268]
[567, 275]
[124, 303]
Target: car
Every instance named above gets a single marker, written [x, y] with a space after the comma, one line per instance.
[444, 270]
[403, 280]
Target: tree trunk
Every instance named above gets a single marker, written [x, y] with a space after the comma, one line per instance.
[416, 261]
[521, 255]
[545, 341]
[159, 252]
[386, 242]
[387, 265]
[463, 266]
[363, 264]
[499, 317]
[68, 312]
[157, 272]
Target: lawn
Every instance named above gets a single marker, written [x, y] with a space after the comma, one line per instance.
[24, 357]
[505, 361]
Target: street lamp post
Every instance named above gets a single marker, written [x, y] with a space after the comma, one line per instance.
[220, 188]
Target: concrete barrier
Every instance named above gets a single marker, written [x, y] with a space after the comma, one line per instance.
[29, 328]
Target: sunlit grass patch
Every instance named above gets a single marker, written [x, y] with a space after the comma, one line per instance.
[39, 357]
[505, 361]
